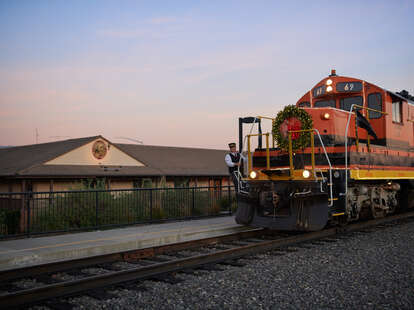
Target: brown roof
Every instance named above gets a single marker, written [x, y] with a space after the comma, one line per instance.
[25, 161]
[179, 160]
[15, 160]
[82, 171]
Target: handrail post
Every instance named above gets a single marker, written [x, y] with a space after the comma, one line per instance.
[267, 152]
[330, 167]
[313, 152]
[356, 134]
[249, 159]
[290, 154]
[368, 139]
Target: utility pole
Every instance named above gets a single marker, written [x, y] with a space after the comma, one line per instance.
[37, 136]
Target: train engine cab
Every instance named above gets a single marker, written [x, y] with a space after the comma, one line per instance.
[345, 151]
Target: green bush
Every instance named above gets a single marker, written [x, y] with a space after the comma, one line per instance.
[9, 221]
[80, 209]
[72, 211]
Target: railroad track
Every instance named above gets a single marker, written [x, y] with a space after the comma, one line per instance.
[153, 263]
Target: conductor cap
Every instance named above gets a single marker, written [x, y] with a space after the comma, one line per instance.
[232, 144]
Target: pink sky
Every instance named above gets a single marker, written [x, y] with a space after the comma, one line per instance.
[182, 75]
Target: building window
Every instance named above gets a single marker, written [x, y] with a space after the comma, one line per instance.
[216, 183]
[181, 182]
[29, 188]
[143, 183]
[97, 183]
[396, 112]
[375, 102]
[346, 103]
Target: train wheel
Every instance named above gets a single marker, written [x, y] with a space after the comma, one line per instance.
[378, 204]
[377, 211]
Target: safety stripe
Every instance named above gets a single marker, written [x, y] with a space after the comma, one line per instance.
[371, 174]
[391, 173]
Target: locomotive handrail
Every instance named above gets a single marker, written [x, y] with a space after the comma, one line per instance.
[273, 121]
[346, 140]
[249, 152]
[249, 161]
[249, 156]
[367, 116]
[312, 157]
[248, 148]
[330, 168]
[366, 108]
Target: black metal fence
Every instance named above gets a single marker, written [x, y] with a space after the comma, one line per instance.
[32, 213]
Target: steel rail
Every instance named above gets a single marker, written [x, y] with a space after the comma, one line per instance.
[141, 273]
[30, 271]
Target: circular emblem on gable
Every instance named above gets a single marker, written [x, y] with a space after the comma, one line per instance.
[99, 149]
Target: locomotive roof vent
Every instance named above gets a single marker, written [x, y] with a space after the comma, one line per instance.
[333, 72]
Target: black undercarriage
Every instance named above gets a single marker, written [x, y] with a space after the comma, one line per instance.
[284, 205]
[309, 206]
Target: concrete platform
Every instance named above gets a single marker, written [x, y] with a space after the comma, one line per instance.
[39, 250]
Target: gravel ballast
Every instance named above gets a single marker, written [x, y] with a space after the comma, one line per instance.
[372, 270]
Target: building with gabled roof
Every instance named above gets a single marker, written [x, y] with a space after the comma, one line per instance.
[63, 165]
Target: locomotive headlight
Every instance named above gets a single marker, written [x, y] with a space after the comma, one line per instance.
[325, 115]
[306, 174]
[328, 82]
[329, 89]
[253, 175]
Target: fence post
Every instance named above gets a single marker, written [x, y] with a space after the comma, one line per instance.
[96, 208]
[151, 204]
[28, 212]
[193, 202]
[136, 194]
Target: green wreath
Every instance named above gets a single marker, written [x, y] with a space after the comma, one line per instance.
[299, 140]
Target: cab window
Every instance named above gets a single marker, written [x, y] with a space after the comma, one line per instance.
[346, 103]
[375, 102]
[304, 104]
[324, 103]
[397, 112]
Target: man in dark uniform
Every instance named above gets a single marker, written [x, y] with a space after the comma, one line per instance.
[233, 161]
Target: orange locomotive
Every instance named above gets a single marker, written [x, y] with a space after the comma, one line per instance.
[345, 151]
